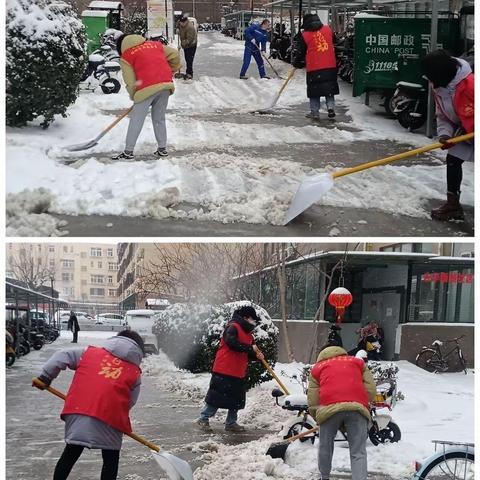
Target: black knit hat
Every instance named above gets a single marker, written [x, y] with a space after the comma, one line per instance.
[439, 67]
[132, 335]
[248, 311]
[119, 43]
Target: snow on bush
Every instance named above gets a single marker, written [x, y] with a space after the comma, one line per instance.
[190, 335]
[44, 59]
[26, 215]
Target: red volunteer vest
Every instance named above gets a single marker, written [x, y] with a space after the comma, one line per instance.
[340, 379]
[150, 64]
[320, 51]
[101, 388]
[228, 362]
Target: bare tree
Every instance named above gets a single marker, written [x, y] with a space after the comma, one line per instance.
[282, 284]
[210, 272]
[32, 267]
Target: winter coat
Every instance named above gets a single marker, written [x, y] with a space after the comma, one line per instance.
[345, 386]
[227, 391]
[73, 324]
[147, 67]
[314, 49]
[188, 34]
[256, 32]
[85, 430]
[455, 109]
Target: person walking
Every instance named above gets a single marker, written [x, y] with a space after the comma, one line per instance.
[255, 42]
[340, 389]
[73, 326]
[106, 385]
[227, 385]
[188, 41]
[147, 69]
[313, 49]
[452, 84]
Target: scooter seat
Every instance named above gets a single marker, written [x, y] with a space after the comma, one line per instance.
[296, 402]
[410, 86]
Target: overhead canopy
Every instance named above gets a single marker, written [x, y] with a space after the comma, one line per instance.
[104, 5]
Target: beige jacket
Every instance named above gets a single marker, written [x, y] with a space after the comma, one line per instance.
[188, 34]
[322, 413]
[128, 72]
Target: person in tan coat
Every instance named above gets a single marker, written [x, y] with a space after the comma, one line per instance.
[188, 41]
[147, 69]
[339, 392]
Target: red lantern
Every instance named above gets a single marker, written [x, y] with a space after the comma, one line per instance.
[340, 298]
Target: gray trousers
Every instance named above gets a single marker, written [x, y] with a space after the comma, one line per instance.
[159, 103]
[357, 431]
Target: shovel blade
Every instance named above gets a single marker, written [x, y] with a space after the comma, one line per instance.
[278, 450]
[81, 146]
[311, 190]
[174, 467]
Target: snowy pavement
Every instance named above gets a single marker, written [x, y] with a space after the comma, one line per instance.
[228, 170]
[435, 407]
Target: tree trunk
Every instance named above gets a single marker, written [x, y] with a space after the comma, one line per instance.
[282, 287]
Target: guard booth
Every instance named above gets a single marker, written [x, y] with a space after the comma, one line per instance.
[389, 50]
[100, 16]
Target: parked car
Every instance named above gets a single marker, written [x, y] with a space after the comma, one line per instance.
[109, 319]
[142, 322]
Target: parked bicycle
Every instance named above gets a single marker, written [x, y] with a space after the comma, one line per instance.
[451, 460]
[434, 360]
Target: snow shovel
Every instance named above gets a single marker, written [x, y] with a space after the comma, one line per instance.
[274, 375]
[279, 449]
[312, 189]
[93, 142]
[277, 96]
[174, 467]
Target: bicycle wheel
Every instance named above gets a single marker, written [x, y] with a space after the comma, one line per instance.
[429, 360]
[451, 466]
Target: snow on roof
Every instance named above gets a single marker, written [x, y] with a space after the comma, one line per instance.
[95, 13]
[367, 15]
[454, 259]
[105, 4]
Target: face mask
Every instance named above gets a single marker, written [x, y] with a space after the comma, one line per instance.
[251, 321]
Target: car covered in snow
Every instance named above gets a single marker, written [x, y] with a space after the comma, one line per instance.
[109, 319]
[142, 322]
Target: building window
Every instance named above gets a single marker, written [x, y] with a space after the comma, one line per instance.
[95, 252]
[109, 252]
[68, 263]
[99, 264]
[112, 266]
[65, 249]
[83, 254]
[96, 279]
[92, 264]
[69, 291]
[112, 292]
[52, 263]
[65, 277]
[110, 279]
[97, 292]
[51, 248]
[84, 268]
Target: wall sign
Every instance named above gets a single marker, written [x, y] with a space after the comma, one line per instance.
[447, 277]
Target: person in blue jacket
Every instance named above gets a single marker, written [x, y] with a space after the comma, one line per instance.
[255, 38]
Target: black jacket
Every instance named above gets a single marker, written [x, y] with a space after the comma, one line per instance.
[320, 83]
[73, 324]
[226, 391]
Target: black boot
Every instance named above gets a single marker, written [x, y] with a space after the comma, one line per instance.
[450, 210]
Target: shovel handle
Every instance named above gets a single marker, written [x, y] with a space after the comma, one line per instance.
[274, 375]
[303, 434]
[268, 61]
[400, 156]
[61, 395]
[285, 83]
[117, 120]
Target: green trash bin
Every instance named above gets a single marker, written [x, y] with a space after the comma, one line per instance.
[387, 50]
[96, 22]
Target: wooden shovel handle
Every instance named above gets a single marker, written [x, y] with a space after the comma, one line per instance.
[274, 375]
[400, 156]
[61, 395]
[117, 120]
[285, 83]
[303, 434]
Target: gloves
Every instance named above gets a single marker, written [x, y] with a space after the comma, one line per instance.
[443, 139]
[253, 41]
[45, 380]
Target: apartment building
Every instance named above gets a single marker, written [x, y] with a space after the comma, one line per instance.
[82, 273]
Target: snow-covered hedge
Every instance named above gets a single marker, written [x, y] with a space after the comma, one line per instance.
[190, 334]
[44, 59]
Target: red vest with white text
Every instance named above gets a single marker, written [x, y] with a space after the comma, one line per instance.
[150, 64]
[320, 51]
[101, 388]
[340, 379]
[228, 362]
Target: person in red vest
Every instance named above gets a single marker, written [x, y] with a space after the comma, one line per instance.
[314, 49]
[147, 69]
[453, 85]
[340, 389]
[105, 386]
[227, 385]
